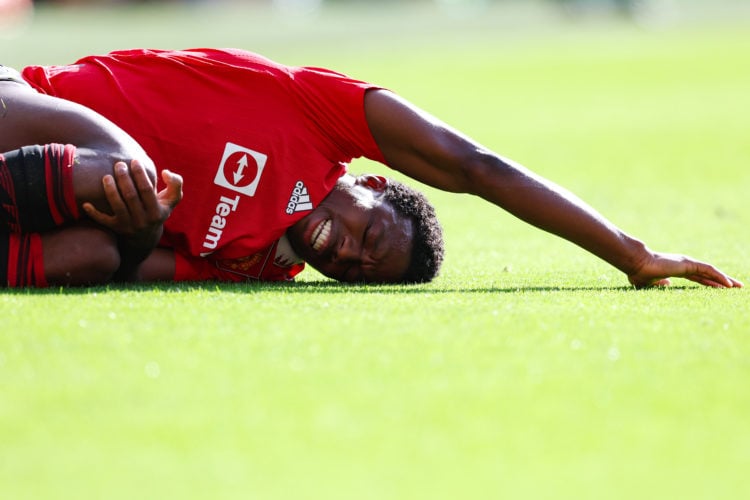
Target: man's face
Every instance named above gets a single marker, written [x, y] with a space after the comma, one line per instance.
[354, 235]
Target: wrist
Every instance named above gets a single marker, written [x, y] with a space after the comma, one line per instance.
[635, 256]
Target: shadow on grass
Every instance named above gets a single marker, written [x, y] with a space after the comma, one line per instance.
[317, 287]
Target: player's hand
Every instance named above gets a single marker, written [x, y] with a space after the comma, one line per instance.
[138, 210]
[659, 267]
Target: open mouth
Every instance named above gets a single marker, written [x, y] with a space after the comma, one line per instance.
[320, 235]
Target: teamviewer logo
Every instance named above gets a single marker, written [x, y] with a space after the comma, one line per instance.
[240, 169]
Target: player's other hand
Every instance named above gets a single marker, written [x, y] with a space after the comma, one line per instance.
[659, 267]
[138, 210]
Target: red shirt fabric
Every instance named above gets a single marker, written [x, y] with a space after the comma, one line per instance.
[259, 144]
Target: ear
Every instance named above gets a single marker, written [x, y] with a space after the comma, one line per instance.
[375, 182]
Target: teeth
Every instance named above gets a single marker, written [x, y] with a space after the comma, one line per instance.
[321, 234]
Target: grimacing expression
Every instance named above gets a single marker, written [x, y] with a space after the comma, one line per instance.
[354, 235]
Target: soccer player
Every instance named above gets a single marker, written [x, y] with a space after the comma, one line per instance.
[263, 150]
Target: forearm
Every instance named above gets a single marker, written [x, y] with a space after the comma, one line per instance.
[552, 208]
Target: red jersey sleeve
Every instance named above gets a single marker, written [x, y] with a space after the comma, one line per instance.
[334, 106]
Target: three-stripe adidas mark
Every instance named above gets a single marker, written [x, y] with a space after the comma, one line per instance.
[300, 199]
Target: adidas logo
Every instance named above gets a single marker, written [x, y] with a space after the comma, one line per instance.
[300, 200]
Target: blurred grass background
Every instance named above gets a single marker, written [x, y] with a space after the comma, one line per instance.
[527, 370]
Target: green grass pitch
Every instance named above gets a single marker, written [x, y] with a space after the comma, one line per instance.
[527, 370]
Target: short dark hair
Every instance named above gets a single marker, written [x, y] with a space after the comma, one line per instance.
[427, 247]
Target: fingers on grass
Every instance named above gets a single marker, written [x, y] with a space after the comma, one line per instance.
[711, 276]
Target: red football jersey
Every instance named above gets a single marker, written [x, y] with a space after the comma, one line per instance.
[259, 144]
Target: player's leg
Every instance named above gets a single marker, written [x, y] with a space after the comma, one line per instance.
[56, 152]
[80, 255]
[77, 255]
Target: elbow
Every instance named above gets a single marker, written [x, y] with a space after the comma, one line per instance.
[457, 165]
[478, 169]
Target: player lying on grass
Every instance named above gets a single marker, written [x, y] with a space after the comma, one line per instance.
[263, 150]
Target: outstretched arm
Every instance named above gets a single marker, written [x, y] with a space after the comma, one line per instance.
[424, 148]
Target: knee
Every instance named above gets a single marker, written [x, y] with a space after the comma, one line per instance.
[92, 165]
